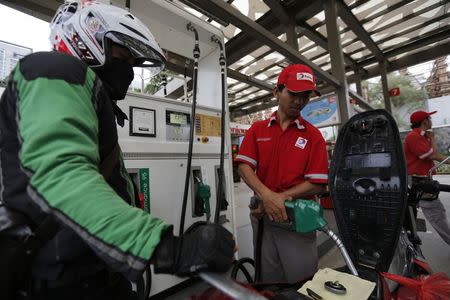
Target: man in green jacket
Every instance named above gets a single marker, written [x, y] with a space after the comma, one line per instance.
[57, 131]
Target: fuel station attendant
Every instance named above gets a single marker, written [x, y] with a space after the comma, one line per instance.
[421, 152]
[284, 158]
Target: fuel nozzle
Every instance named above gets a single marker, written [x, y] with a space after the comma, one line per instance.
[204, 193]
[307, 216]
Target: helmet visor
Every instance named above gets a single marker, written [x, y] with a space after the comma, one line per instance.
[145, 55]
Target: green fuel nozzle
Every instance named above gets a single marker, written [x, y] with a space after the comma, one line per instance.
[204, 193]
[307, 215]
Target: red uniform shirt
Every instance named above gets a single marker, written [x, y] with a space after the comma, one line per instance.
[283, 159]
[417, 152]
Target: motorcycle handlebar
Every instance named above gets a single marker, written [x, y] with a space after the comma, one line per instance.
[432, 187]
[444, 188]
[428, 186]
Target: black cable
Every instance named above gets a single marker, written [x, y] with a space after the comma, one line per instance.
[196, 53]
[220, 187]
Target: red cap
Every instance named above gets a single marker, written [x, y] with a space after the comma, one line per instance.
[420, 115]
[298, 78]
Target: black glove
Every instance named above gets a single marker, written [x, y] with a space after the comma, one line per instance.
[202, 248]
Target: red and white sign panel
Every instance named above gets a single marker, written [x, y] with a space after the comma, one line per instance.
[394, 92]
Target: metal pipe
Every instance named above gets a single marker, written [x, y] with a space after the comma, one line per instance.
[341, 247]
[430, 172]
[230, 287]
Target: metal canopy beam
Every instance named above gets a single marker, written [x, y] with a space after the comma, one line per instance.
[349, 18]
[425, 55]
[243, 43]
[322, 41]
[410, 60]
[381, 41]
[308, 9]
[440, 34]
[360, 100]
[416, 43]
[178, 63]
[404, 62]
[44, 11]
[249, 80]
[264, 97]
[278, 11]
[285, 19]
[254, 60]
[364, 21]
[385, 87]
[260, 33]
[246, 94]
[337, 59]
[403, 32]
[253, 109]
[237, 111]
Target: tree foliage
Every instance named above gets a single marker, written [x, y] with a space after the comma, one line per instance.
[156, 82]
[411, 98]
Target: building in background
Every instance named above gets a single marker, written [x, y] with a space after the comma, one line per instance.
[10, 54]
[438, 84]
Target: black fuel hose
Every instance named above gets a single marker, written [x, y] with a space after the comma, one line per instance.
[220, 188]
[196, 53]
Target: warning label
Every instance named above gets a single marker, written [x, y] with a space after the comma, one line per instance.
[207, 125]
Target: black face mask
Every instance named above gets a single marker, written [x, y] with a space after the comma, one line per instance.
[117, 76]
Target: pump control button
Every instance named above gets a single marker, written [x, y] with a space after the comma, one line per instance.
[205, 139]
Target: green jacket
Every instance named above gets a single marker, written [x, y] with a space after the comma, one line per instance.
[56, 125]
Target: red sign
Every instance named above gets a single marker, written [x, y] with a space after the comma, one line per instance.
[394, 92]
[238, 131]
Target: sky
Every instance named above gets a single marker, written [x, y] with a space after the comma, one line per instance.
[32, 32]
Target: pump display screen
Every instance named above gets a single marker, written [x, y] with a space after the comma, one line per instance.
[177, 118]
[374, 160]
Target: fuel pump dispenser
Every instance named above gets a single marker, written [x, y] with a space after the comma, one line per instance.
[155, 140]
[220, 281]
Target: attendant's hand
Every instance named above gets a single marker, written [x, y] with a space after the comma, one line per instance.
[274, 205]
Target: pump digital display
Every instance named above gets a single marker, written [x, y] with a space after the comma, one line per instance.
[177, 118]
[374, 160]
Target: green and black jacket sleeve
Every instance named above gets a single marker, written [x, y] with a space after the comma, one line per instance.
[59, 154]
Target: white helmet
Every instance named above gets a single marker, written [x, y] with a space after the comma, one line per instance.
[86, 29]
